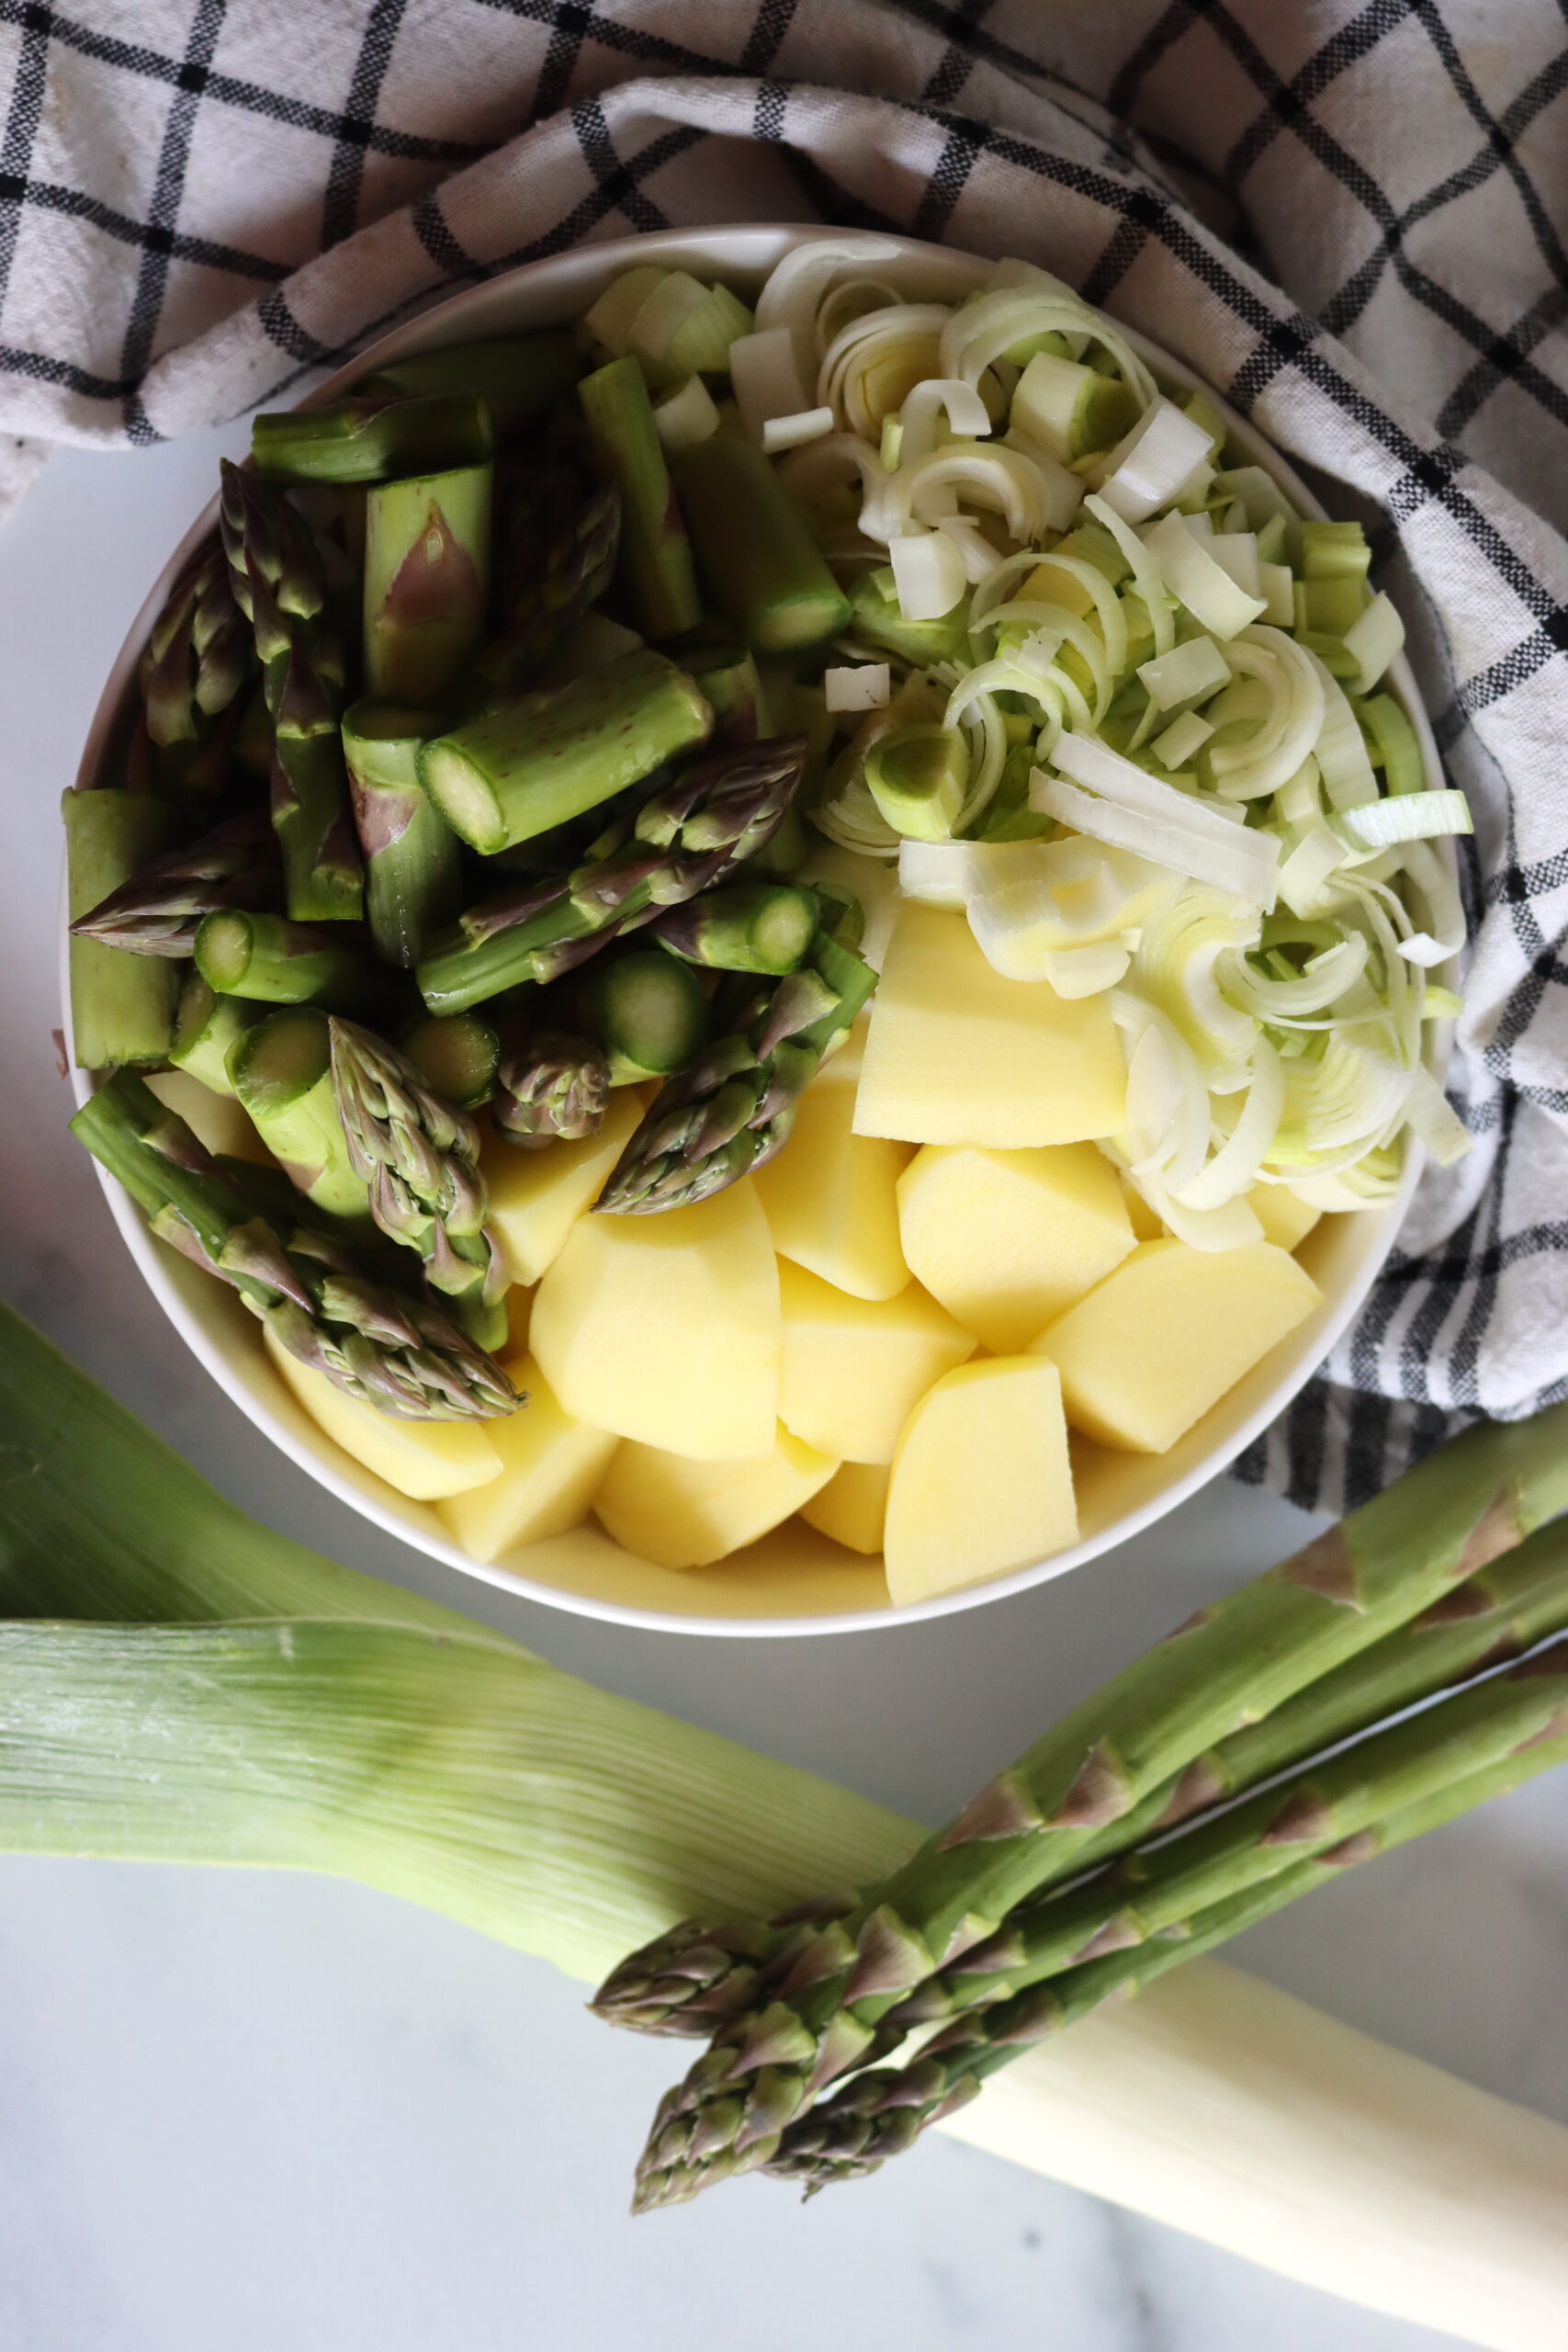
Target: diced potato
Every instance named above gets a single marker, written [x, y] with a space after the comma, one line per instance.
[853, 1506]
[1285, 1217]
[666, 1328]
[981, 1480]
[1162, 1339]
[682, 1514]
[830, 1196]
[853, 1368]
[957, 1053]
[536, 1197]
[423, 1460]
[1007, 1239]
[551, 1466]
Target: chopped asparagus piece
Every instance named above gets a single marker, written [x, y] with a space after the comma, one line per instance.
[426, 580]
[755, 547]
[281, 1070]
[123, 1006]
[651, 1014]
[457, 1053]
[656, 555]
[518, 377]
[207, 1027]
[749, 927]
[279, 962]
[369, 441]
[413, 871]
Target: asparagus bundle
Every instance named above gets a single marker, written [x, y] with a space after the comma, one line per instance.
[693, 1979]
[1236, 1660]
[157, 911]
[733, 1108]
[278, 583]
[418, 1157]
[716, 813]
[401, 1353]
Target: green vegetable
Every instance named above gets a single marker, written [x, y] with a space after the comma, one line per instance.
[413, 871]
[358, 440]
[456, 1054]
[281, 1070]
[157, 910]
[198, 660]
[279, 962]
[747, 927]
[656, 555]
[518, 377]
[123, 1006]
[533, 764]
[555, 1090]
[919, 777]
[426, 581]
[649, 1013]
[207, 1027]
[755, 549]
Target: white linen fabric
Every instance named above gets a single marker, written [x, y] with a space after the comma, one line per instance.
[1350, 219]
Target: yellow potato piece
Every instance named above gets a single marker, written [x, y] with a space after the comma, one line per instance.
[853, 1368]
[219, 1121]
[1007, 1239]
[536, 1197]
[1161, 1339]
[853, 1506]
[981, 1480]
[831, 1197]
[423, 1460]
[957, 1053]
[666, 1328]
[682, 1514]
[1285, 1217]
[551, 1466]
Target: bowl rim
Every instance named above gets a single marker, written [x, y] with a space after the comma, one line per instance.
[736, 247]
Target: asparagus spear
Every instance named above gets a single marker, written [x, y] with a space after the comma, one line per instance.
[207, 1028]
[279, 962]
[715, 815]
[281, 1070]
[198, 657]
[122, 1007]
[405, 1355]
[540, 759]
[649, 1014]
[1242, 1655]
[555, 1090]
[278, 583]
[426, 580]
[419, 1156]
[360, 440]
[157, 910]
[1502, 1611]
[413, 872]
[518, 377]
[728, 675]
[456, 1055]
[733, 1109]
[561, 538]
[749, 927]
[755, 549]
[656, 555]
[878, 2114]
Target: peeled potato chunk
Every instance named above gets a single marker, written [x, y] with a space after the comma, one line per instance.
[1162, 1339]
[957, 1053]
[682, 1514]
[1007, 1239]
[423, 1460]
[666, 1328]
[853, 1506]
[536, 1197]
[1285, 1217]
[852, 1368]
[981, 1480]
[830, 1196]
[551, 1466]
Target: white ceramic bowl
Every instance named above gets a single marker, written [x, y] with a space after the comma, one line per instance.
[795, 1581]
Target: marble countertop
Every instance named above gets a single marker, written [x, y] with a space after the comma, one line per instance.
[247, 2111]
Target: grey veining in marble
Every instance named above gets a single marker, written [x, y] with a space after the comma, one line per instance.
[239, 2113]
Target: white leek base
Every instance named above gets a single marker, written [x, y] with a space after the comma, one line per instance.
[1237, 2113]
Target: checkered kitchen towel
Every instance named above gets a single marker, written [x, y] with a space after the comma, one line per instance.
[1349, 215]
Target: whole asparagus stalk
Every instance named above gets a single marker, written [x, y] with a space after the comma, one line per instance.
[716, 813]
[413, 871]
[122, 1007]
[278, 583]
[555, 1090]
[880, 2113]
[404, 1355]
[198, 657]
[734, 1107]
[156, 911]
[1500, 1612]
[361, 440]
[419, 1156]
[1239, 1659]
[426, 580]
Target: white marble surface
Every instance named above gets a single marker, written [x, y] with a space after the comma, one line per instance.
[244, 2113]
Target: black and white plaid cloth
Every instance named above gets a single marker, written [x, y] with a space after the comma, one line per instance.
[1349, 215]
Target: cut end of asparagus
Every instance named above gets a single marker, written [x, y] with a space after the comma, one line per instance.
[652, 1014]
[456, 1054]
[281, 1059]
[223, 949]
